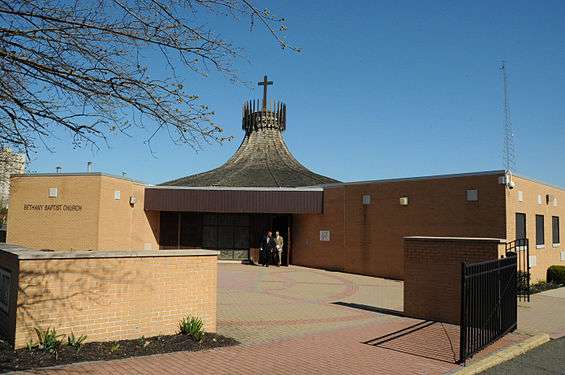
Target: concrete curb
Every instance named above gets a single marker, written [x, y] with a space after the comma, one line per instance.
[504, 355]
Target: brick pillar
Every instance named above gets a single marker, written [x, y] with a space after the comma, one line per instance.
[432, 269]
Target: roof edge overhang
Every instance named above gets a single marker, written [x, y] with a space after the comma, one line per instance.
[308, 200]
[417, 178]
[238, 188]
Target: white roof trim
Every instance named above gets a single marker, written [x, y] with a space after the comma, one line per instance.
[432, 177]
[224, 188]
[64, 174]
[537, 181]
[487, 239]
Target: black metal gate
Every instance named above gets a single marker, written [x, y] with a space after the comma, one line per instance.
[488, 303]
[520, 249]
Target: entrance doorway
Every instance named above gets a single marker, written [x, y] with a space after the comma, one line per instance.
[234, 235]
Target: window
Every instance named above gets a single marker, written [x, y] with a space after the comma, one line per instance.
[520, 196]
[520, 225]
[555, 229]
[540, 239]
[472, 195]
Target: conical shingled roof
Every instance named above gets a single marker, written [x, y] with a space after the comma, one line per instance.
[262, 159]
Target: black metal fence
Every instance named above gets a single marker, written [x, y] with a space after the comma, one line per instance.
[488, 303]
[520, 248]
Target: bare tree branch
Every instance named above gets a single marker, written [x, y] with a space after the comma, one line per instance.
[79, 65]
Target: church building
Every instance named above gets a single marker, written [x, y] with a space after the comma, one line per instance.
[356, 227]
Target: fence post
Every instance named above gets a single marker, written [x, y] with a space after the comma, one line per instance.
[462, 320]
[528, 268]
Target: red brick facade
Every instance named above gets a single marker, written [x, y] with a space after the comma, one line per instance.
[432, 274]
[368, 239]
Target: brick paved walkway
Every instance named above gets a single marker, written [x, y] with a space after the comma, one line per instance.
[302, 321]
[257, 304]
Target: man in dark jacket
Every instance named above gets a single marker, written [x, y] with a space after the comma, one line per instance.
[267, 247]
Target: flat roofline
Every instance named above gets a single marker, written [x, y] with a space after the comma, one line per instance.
[78, 174]
[243, 188]
[537, 181]
[431, 238]
[430, 177]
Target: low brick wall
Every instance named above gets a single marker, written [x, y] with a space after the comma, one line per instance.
[432, 282]
[111, 295]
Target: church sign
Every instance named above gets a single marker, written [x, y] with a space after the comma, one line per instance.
[53, 207]
[5, 284]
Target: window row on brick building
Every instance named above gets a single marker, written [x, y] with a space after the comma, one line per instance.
[540, 229]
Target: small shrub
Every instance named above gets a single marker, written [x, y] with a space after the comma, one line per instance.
[556, 274]
[522, 280]
[75, 342]
[115, 347]
[192, 326]
[542, 286]
[143, 342]
[49, 340]
[31, 345]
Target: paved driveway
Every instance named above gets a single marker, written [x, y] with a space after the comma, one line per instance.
[302, 321]
[259, 304]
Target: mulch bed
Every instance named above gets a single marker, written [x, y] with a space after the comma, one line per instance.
[24, 359]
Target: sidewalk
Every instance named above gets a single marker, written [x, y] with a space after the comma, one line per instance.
[545, 313]
[423, 348]
[298, 320]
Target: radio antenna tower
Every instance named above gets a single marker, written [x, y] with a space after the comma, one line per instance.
[509, 154]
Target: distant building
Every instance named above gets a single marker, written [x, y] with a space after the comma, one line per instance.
[10, 163]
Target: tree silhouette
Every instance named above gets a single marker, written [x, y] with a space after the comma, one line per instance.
[80, 65]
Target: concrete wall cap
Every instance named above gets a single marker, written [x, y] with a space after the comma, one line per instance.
[484, 239]
[30, 254]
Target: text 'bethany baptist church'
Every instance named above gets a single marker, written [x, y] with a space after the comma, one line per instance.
[355, 227]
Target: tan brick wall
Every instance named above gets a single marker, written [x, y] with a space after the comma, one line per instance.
[115, 298]
[432, 277]
[54, 229]
[103, 223]
[121, 225]
[550, 254]
[369, 239]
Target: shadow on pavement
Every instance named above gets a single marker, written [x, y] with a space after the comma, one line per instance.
[379, 310]
[426, 339]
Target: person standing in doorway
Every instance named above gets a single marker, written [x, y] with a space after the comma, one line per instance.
[268, 246]
[279, 241]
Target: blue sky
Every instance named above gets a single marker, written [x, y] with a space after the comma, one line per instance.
[382, 89]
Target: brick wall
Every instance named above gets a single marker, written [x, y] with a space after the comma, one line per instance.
[102, 223]
[432, 276]
[523, 199]
[112, 298]
[368, 239]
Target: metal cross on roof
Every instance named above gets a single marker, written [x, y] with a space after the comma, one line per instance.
[265, 83]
